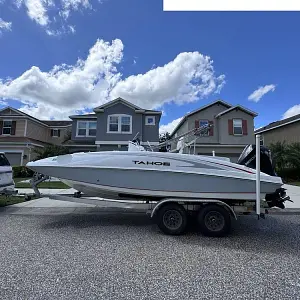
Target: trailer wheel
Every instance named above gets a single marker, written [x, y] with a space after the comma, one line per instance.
[172, 219]
[214, 220]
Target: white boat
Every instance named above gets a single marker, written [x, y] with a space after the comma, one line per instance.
[7, 184]
[144, 174]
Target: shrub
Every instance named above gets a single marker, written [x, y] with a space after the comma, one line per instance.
[22, 172]
[289, 174]
[50, 150]
[286, 159]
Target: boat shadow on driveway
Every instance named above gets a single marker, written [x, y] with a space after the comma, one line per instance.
[276, 234]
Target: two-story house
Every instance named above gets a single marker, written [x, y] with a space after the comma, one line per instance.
[233, 128]
[112, 125]
[21, 133]
[286, 130]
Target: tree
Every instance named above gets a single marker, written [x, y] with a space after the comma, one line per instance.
[286, 156]
[279, 154]
[50, 150]
[286, 160]
[293, 155]
[163, 137]
[67, 136]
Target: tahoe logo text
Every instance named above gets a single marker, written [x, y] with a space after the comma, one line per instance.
[153, 163]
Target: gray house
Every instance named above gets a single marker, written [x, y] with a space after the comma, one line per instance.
[233, 128]
[112, 125]
[287, 130]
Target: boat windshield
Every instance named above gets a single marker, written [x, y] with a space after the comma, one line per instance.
[3, 160]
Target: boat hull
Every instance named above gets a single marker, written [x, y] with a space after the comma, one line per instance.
[105, 181]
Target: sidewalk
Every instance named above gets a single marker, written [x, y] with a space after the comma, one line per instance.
[46, 202]
[294, 193]
[46, 191]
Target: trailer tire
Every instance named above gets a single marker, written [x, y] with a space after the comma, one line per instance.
[172, 219]
[214, 220]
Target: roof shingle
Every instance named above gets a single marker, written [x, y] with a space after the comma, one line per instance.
[278, 123]
[56, 123]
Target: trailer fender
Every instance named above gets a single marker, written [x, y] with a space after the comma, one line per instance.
[187, 201]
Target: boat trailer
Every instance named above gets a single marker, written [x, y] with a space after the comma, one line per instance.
[172, 214]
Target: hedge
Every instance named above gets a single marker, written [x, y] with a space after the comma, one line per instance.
[289, 174]
[22, 172]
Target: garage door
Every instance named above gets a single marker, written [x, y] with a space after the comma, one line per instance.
[14, 158]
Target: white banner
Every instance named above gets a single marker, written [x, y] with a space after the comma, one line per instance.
[231, 5]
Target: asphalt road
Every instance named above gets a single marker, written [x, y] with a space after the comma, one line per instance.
[124, 256]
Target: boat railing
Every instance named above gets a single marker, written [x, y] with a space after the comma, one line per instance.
[182, 137]
[134, 145]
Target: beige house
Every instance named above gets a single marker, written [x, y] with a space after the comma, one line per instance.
[21, 133]
[287, 130]
[233, 129]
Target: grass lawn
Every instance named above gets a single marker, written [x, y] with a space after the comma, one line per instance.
[8, 200]
[45, 184]
[294, 183]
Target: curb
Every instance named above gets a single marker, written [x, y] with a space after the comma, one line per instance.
[286, 211]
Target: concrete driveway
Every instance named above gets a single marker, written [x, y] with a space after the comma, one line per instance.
[124, 256]
[294, 192]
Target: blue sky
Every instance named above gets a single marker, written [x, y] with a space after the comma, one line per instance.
[247, 51]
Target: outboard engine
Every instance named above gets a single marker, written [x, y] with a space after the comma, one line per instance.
[248, 159]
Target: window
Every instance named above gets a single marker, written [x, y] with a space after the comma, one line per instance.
[7, 125]
[86, 128]
[150, 120]
[125, 124]
[55, 132]
[237, 127]
[92, 127]
[201, 124]
[81, 128]
[113, 124]
[261, 140]
[119, 124]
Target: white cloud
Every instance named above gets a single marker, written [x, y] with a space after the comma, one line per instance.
[73, 5]
[53, 15]
[37, 11]
[72, 28]
[261, 91]
[187, 78]
[170, 126]
[64, 88]
[292, 111]
[67, 89]
[4, 26]
[63, 30]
